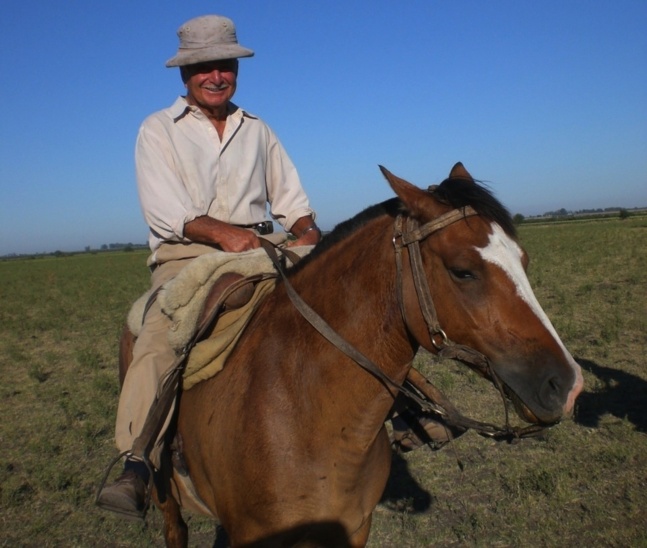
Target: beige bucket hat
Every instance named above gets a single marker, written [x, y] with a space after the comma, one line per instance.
[207, 38]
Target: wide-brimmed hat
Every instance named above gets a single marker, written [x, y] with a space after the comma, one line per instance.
[207, 38]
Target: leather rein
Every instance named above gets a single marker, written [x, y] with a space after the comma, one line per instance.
[408, 234]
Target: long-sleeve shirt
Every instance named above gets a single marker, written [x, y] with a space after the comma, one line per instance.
[185, 171]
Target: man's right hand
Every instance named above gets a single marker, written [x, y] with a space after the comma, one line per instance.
[206, 230]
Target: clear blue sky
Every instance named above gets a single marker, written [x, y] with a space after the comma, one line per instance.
[547, 101]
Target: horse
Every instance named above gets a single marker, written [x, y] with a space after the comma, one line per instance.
[287, 445]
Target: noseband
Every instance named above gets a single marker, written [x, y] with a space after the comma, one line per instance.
[408, 235]
[417, 387]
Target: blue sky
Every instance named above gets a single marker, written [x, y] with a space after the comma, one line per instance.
[547, 101]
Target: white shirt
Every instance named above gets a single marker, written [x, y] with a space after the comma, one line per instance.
[185, 171]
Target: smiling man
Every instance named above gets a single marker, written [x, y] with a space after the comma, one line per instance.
[206, 172]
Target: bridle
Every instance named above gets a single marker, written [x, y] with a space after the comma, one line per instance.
[416, 387]
[407, 235]
[409, 238]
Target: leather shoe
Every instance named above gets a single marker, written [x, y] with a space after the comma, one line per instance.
[126, 496]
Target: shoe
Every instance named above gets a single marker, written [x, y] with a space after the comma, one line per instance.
[413, 430]
[126, 496]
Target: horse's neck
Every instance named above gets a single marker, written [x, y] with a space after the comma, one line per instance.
[353, 287]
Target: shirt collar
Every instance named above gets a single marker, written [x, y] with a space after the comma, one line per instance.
[181, 108]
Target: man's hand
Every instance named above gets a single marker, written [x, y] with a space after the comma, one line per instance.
[206, 230]
[236, 239]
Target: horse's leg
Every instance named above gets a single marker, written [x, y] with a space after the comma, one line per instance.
[176, 532]
[360, 537]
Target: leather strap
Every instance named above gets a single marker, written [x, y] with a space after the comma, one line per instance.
[416, 386]
[170, 382]
[316, 321]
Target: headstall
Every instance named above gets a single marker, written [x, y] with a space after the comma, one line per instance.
[407, 235]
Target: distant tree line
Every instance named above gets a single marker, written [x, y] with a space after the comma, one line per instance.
[126, 247]
[564, 214]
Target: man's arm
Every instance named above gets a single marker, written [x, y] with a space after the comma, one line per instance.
[306, 231]
[207, 230]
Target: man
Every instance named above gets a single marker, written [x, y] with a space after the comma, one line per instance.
[206, 171]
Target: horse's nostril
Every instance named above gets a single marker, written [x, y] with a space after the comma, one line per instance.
[553, 392]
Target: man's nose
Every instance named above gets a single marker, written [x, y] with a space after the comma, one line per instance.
[216, 76]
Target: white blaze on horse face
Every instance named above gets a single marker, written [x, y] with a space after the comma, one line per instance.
[504, 252]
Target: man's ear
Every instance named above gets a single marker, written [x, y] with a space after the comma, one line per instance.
[184, 74]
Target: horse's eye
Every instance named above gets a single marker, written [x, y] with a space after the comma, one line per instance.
[461, 274]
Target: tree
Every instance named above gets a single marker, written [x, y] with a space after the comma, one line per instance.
[518, 219]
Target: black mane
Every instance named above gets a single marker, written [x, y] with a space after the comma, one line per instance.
[463, 192]
[391, 207]
[454, 192]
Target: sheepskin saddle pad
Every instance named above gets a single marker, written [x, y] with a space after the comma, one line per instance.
[183, 298]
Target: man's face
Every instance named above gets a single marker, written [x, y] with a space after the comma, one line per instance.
[212, 84]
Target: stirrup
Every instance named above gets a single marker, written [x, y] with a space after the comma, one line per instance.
[135, 514]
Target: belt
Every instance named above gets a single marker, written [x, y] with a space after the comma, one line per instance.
[266, 227]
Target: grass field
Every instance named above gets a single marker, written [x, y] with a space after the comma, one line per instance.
[583, 483]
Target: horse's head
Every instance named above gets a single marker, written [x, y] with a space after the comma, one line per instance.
[477, 274]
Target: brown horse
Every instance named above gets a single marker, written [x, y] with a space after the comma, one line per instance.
[287, 445]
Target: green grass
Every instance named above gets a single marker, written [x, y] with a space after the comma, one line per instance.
[584, 482]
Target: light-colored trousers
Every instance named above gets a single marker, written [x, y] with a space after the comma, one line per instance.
[152, 353]
[152, 358]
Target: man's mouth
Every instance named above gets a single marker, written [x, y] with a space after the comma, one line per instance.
[216, 89]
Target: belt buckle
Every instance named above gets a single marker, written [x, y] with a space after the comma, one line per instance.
[266, 227]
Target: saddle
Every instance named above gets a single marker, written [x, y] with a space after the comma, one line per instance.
[226, 286]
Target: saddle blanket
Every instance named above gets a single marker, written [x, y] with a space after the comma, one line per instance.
[183, 298]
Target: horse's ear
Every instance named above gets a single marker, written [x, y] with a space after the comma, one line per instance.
[459, 172]
[416, 200]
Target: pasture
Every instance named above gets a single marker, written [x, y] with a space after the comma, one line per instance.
[583, 482]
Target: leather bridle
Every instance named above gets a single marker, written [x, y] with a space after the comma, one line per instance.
[416, 387]
[408, 235]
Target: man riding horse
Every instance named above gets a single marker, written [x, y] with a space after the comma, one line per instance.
[206, 170]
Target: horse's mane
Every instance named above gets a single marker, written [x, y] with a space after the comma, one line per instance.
[391, 207]
[455, 192]
[460, 192]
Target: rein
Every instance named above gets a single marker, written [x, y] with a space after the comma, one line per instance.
[416, 387]
[335, 338]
